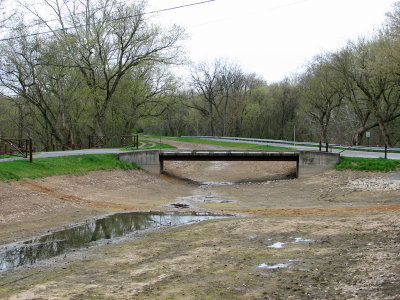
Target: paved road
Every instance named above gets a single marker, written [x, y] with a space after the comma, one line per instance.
[68, 153]
[348, 153]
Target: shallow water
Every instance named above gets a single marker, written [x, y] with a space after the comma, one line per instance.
[87, 234]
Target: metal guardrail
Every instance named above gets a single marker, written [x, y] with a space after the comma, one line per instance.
[366, 148]
[377, 148]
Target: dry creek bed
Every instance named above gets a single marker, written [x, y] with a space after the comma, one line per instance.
[327, 235]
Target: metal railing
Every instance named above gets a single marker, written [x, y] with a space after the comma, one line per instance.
[97, 141]
[129, 140]
[16, 147]
[24, 147]
[321, 146]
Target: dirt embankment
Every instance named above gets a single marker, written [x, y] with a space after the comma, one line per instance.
[328, 235]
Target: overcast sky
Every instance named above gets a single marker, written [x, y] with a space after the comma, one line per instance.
[273, 38]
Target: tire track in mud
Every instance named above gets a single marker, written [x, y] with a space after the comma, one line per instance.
[73, 199]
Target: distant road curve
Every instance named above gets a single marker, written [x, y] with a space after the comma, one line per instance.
[358, 152]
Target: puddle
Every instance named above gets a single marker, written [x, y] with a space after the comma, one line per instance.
[301, 240]
[277, 245]
[217, 183]
[278, 266]
[204, 196]
[87, 234]
[180, 205]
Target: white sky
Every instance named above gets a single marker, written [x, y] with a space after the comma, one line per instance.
[272, 38]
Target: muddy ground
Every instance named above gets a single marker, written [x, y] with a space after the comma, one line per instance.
[326, 235]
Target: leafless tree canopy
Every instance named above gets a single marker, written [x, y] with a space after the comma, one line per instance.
[80, 67]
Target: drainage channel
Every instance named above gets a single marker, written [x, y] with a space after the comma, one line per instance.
[88, 234]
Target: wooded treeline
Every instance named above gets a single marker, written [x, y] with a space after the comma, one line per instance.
[103, 68]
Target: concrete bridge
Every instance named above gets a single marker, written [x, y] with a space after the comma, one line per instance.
[153, 160]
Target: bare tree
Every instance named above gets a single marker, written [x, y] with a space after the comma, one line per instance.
[104, 40]
[379, 88]
[320, 95]
[285, 96]
[205, 84]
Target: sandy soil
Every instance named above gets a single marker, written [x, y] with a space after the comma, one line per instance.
[338, 232]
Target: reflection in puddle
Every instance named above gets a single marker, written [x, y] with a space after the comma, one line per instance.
[301, 240]
[180, 205]
[216, 183]
[84, 235]
[278, 266]
[277, 245]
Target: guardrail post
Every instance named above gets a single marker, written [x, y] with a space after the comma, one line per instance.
[385, 151]
[30, 150]
[26, 148]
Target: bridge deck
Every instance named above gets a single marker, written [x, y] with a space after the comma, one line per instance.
[235, 155]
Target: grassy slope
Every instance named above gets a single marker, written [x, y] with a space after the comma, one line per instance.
[74, 165]
[368, 164]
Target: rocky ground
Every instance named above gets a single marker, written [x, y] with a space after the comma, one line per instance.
[326, 235]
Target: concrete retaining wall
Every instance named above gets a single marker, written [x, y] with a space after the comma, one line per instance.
[148, 160]
[316, 158]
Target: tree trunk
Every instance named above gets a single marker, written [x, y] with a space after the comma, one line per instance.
[383, 129]
[97, 125]
[211, 121]
[382, 125]
[357, 137]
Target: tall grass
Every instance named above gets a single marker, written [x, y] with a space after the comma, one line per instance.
[74, 165]
[368, 164]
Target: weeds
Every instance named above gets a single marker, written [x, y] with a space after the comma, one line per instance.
[368, 164]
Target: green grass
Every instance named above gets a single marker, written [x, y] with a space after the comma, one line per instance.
[368, 164]
[74, 165]
[221, 143]
[154, 146]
